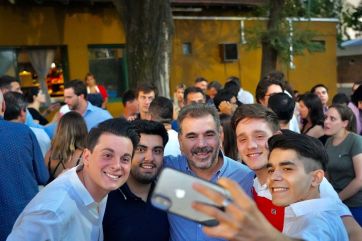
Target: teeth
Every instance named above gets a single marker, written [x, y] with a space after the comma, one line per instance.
[279, 189]
[112, 176]
[145, 166]
[253, 155]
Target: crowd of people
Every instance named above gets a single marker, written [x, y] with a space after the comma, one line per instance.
[292, 164]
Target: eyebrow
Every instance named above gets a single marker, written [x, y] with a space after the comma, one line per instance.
[283, 163]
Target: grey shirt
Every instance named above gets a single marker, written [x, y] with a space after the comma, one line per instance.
[340, 166]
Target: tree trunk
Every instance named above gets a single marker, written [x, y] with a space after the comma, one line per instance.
[149, 26]
[269, 53]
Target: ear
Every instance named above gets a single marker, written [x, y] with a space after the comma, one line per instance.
[345, 123]
[86, 157]
[317, 177]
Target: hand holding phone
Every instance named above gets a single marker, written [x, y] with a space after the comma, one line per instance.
[174, 193]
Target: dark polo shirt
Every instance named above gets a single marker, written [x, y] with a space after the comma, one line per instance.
[129, 218]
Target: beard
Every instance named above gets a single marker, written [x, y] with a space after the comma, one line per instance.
[204, 163]
[145, 177]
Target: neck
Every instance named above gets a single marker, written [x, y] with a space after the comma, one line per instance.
[340, 136]
[262, 175]
[145, 115]
[139, 189]
[93, 191]
[284, 125]
[167, 126]
[82, 107]
[35, 105]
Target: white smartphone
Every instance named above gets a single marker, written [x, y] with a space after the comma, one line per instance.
[174, 193]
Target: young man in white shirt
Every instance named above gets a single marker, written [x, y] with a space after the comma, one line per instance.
[296, 169]
[72, 206]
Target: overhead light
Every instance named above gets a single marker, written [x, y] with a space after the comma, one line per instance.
[12, 1]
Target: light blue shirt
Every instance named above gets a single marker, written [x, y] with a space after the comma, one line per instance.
[49, 129]
[63, 210]
[93, 115]
[182, 229]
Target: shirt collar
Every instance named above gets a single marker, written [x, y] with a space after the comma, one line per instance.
[261, 190]
[310, 206]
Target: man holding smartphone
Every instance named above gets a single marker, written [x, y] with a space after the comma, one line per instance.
[129, 214]
[199, 138]
[254, 124]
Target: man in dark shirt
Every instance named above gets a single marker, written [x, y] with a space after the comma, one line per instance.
[129, 214]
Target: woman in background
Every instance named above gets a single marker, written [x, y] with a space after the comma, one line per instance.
[35, 98]
[344, 149]
[312, 116]
[96, 94]
[68, 144]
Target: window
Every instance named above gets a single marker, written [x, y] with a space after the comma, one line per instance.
[107, 63]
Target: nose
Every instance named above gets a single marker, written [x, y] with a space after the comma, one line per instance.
[251, 143]
[276, 176]
[149, 155]
[201, 141]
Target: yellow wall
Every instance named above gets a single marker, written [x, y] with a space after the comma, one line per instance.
[78, 27]
[205, 60]
[75, 28]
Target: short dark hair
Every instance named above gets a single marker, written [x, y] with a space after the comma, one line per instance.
[255, 111]
[306, 147]
[214, 84]
[200, 79]
[161, 108]
[223, 95]
[283, 106]
[128, 96]
[198, 110]
[146, 88]
[340, 98]
[115, 126]
[78, 86]
[346, 114]
[272, 78]
[151, 128]
[313, 89]
[15, 103]
[30, 92]
[5, 82]
[193, 89]
[232, 86]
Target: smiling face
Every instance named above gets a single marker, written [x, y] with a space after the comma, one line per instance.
[148, 158]
[251, 137]
[288, 181]
[107, 167]
[333, 124]
[200, 141]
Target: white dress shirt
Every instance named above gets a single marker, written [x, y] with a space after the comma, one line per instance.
[63, 210]
[315, 219]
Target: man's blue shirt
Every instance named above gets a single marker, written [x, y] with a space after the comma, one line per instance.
[182, 229]
[22, 169]
[94, 115]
